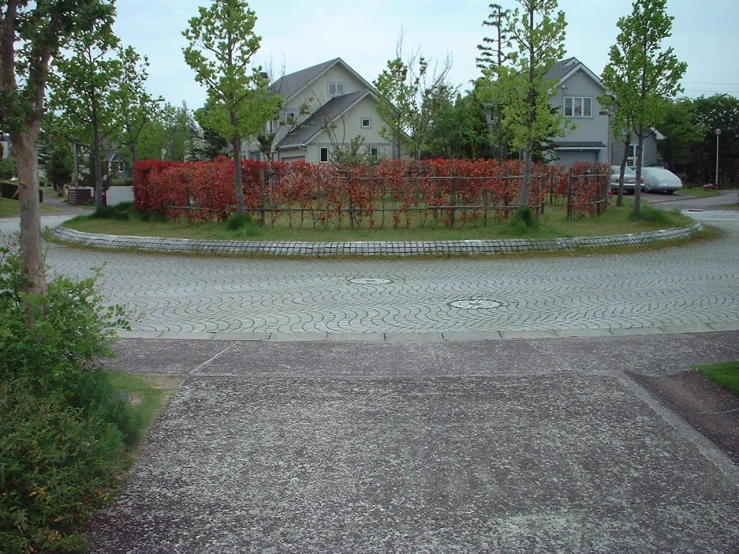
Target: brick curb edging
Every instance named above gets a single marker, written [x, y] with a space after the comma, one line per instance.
[367, 248]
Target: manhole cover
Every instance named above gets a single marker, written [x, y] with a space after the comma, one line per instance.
[475, 304]
[370, 281]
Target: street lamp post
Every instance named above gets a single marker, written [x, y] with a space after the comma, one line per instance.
[718, 134]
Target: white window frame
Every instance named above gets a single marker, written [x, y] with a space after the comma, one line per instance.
[321, 151]
[581, 104]
[631, 159]
[374, 153]
[338, 89]
[362, 121]
[289, 116]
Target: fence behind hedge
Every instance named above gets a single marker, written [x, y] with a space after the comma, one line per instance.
[391, 193]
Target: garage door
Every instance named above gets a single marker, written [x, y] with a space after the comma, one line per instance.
[569, 157]
[292, 158]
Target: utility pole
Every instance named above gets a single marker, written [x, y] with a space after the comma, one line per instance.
[718, 134]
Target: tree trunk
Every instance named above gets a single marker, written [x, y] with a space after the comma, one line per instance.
[524, 199]
[97, 170]
[637, 188]
[624, 160]
[24, 148]
[236, 143]
[133, 161]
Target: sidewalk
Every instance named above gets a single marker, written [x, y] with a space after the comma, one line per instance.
[483, 446]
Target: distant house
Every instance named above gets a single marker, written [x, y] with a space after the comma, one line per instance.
[326, 106]
[591, 140]
[4, 146]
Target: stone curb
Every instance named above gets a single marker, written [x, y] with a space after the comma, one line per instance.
[430, 337]
[368, 248]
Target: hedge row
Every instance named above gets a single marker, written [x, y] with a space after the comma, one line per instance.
[327, 193]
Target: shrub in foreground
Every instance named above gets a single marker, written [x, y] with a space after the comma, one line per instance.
[64, 429]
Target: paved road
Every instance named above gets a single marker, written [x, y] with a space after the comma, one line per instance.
[695, 284]
[686, 286]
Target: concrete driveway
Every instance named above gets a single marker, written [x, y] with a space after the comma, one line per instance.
[484, 446]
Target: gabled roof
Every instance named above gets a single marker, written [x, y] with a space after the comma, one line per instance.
[564, 69]
[317, 122]
[288, 86]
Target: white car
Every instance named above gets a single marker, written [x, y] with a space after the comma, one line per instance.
[657, 179]
[629, 179]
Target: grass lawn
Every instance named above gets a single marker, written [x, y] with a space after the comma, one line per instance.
[149, 394]
[552, 224]
[697, 192]
[725, 375]
[9, 206]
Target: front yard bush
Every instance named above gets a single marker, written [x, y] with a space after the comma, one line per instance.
[64, 430]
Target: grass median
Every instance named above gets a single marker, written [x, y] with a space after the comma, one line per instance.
[552, 224]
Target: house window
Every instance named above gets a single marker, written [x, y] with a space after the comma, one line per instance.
[578, 106]
[289, 116]
[373, 153]
[335, 89]
[366, 123]
[631, 159]
[324, 154]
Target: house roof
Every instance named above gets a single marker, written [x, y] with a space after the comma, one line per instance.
[564, 69]
[288, 86]
[327, 113]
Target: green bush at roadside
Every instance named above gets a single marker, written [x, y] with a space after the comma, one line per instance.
[65, 430]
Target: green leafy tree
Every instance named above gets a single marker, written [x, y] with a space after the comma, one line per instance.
[537, 32]
[494, 53]
[135, 107]
[410, 94]
[222, 44]
[460, 129]
[720, 111]
[31, 34]
[84, 93]
[682, 133]
[641, 73]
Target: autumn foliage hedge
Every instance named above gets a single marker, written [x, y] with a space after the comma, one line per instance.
[392, 191]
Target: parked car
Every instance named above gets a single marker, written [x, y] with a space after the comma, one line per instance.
[629, 179]
[657, 179]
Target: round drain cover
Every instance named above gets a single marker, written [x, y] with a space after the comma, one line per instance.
[370, 281]
[475, 304]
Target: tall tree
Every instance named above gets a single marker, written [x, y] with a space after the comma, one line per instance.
[494, 52]
[537, 33]
[641, 74]
[410, 93]
[135, 107]
[83, 91]
[682, 133]
[222, 44]
[31, 34]
[720, 111]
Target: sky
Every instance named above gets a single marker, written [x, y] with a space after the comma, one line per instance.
[297, 34]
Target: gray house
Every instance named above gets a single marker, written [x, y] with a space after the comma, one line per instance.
[326, 106]
[591, 139]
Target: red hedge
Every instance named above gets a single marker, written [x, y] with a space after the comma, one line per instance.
[324, 192]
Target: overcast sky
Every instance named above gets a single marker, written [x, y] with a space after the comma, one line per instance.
[297, 34]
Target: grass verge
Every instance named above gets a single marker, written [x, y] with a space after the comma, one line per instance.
[697, 192]
[552, 224]
[725, 375]
[10, 206]
[149, 395]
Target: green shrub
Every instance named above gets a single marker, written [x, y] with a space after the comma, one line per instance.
[57, 466]
[239, 221]
[7, 168]
[651, 215]
[523, 220]
[121, 182]
[111, 212]
[64, 428]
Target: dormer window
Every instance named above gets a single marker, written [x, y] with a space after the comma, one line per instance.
[335, 89]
